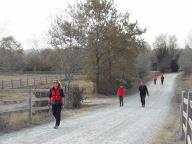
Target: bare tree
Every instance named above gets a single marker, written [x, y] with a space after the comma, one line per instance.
[63, 38]
[3, 30]
[11, 54]
[143, 63]
[185, 60]
[166, 53]
[189, 41]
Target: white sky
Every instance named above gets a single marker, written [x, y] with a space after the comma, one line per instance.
[28, 20]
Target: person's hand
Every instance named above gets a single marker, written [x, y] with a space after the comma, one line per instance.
[62, 101]
[49, 102]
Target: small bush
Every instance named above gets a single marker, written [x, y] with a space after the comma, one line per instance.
[74, 97]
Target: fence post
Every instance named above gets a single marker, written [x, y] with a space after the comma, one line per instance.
[20, 83]
[30, 103]
[46, 79]
[187, 119]
[34, 81]
[189, 131]
[190, 114]
[182, 119]
[2, 84]
[27, 82]
[12, 84]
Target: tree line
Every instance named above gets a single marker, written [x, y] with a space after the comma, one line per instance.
[95, 38]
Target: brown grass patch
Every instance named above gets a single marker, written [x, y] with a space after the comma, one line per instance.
[167, 135]
[13, 96]
[13, 121]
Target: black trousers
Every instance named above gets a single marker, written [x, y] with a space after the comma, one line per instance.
[162, 82]
[155, 81]
[143, 99]
[121, 100]
[56, 109]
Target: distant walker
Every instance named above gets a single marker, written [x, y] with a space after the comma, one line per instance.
[121, 94]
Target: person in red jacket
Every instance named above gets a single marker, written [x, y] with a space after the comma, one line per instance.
[121, 94]
[162, 79]
[56, 99]
[155, 78]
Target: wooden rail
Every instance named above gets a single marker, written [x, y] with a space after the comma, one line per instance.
[31, 99]
[186, 116]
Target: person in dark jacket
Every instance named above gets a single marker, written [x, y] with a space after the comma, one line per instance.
[121, 94]
[56, 99]
[162, 79]
[143, 91]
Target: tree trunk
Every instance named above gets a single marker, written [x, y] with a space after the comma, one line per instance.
[97, 69]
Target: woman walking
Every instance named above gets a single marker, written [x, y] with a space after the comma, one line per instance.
[121, 94]
[162, 79]
[56, 99]
[155, 78]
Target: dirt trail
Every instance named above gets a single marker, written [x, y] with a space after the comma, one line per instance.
[128, 125]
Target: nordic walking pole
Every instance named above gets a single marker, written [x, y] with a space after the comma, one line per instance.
[50, 112]
[148, 101]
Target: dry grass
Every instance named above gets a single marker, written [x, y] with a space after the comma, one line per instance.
[170, 132]
[13, 96]
[185, 82]
[13, 121]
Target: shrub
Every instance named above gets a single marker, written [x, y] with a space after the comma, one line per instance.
[74, 97]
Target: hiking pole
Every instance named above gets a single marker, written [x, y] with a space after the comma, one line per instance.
[50, 112]
[148, 101]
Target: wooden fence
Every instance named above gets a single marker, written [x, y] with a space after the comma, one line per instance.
[23, 83]
[30, 102]
[186, 116]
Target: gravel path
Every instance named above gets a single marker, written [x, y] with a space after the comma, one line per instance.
[131, 124]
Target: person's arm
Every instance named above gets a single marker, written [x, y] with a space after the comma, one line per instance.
[118, 92]
[50, 95]
[139, 88]
[147, 90]
[62, 93]
[124, 92]
[62, 97]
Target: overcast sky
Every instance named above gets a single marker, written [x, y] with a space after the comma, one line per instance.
[30, 19]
